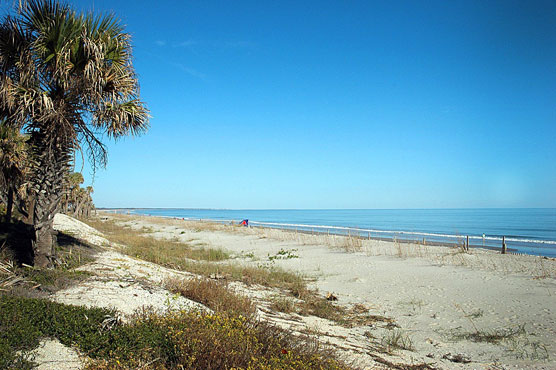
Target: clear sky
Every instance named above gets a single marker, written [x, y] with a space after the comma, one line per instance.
[338, 104]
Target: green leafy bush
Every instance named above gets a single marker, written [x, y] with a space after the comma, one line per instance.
[178, 339]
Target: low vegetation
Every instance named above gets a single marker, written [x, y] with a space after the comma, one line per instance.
[230, 336]
[179, 339]
[164, 252]
[214, 294]
[201, 261]
[395, 340]
[493, 336]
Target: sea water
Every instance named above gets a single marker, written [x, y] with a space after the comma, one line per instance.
[526, 230]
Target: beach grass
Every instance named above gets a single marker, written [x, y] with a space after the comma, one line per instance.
[214, 294]
[395, 340]
[139, 244]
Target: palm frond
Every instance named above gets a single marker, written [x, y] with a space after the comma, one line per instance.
[69, 75]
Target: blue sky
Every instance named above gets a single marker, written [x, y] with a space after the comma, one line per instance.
[338, 104]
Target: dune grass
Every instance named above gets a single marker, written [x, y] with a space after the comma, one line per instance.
[214, 294]
[229, 337]
[161, 251]
[194, 259]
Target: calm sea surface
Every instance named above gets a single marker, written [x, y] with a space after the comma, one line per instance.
[531, 231]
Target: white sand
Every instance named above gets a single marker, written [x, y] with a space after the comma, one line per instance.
[53, 355]
[434, 294]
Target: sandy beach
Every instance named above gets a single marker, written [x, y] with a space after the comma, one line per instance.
[475, 310]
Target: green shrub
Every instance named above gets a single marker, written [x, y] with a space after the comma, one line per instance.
[23, 321]
[188, 340]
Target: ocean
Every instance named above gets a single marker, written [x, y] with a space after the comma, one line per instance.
[526, 230]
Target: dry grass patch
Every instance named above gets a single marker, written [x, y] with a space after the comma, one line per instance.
[396, 339]
[161, 251]
[193, 225]
[282, 304]
[214, 294]
[494, 336]
[311, 303]
[8, 275]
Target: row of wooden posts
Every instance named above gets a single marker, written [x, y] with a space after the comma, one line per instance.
[466, 246]
[504, 248]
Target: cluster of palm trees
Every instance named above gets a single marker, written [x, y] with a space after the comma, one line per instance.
[14, 185]
[66, 80]
[77, 201]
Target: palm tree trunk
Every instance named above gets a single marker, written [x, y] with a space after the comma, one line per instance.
[30, 207]
[9, 204]
[77, 212]
[48, 180]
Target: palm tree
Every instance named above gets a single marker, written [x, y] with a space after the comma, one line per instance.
[89, 205]
[65, 79]
[73, 181]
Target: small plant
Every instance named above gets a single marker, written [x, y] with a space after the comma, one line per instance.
[416, 304]
[494, 336]
[284, 255]
[523, 348]
[396, 339]
[352, 243]
[282, 304]
[369, 335]
[475, 314]
[250, 255]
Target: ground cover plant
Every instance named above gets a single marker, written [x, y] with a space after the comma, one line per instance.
[177, 339]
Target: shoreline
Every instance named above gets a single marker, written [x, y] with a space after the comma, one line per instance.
[533, 247]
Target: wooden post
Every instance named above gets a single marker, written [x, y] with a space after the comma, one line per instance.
[369, 236]
[503, 245]
[467, 243]
[328, 232]
[312, 231]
